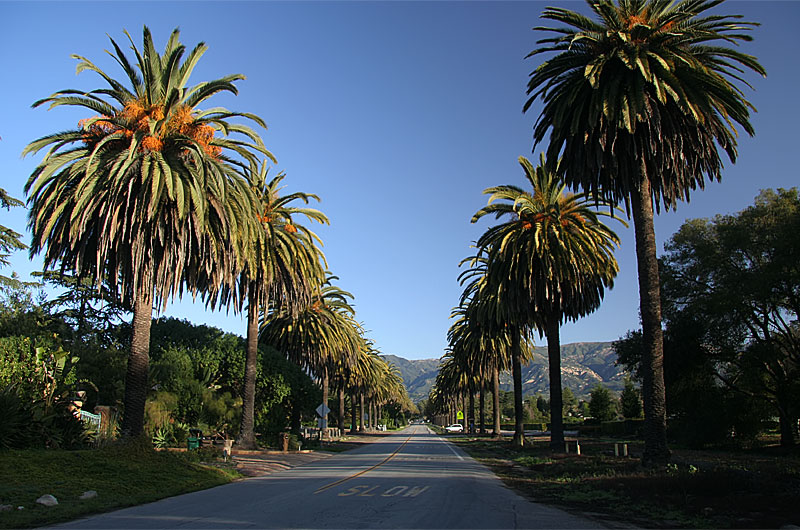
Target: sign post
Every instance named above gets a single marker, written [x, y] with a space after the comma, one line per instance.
[322, 411]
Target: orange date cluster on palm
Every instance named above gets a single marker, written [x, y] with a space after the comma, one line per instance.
[136, 117]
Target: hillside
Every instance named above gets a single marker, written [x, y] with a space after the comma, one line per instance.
[418, 375]
[583, 366]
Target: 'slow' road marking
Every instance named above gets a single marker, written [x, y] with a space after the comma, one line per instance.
[366, 490]
[332, 484]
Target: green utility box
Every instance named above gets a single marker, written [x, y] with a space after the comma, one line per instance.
[195, 439]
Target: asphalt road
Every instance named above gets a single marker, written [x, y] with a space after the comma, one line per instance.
[411, 479]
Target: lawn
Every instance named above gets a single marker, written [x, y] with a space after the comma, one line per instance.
[122, 476]
[700, 489]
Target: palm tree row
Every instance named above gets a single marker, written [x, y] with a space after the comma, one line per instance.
[550, 261]
[638, 102]
[153, 197]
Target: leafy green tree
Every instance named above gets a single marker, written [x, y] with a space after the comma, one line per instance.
[138, 196]
[638, 102]
[602, 405]
[630, 401]
[570, 403]
[543, 405]
[703, 412]
[9, 239]
[557, 256]
[735, 278]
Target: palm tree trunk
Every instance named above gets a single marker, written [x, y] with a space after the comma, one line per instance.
[361, 415]
[353, 413]
[471, 414]
[325, 397]
[556, 400]
[341, 407]
[482, 404]
[516, 368]
[246, 432]
[496, 400]
[656, 451]
[138, 365]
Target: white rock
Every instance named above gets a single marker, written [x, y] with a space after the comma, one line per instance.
[20, 507]
[91, 494]
[47, 500]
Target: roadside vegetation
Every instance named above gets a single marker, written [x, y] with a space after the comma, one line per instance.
[122, 475]
[154, 194]
[756, 488]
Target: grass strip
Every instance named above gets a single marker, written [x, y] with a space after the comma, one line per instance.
[121, 475]
[701, 489]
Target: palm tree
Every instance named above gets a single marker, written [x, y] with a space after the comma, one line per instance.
[481, 349]
[638, 103]
[319, 336]
[344, 377]
[559, 256]
[138, 194]
[279, 267]
[504, 328]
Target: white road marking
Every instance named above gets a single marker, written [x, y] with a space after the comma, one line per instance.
[450, 446]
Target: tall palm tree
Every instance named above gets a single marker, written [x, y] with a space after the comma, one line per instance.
[280, 266]
[558, 255]
[638, 104]
[138, 194]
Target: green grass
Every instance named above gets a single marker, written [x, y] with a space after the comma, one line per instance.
[122, 476]
[702, 489]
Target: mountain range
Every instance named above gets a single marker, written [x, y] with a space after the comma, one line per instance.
[584, 365]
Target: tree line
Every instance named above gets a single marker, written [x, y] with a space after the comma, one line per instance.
[152, 196]
[636, 104]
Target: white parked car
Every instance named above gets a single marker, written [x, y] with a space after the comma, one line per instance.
[456, 427]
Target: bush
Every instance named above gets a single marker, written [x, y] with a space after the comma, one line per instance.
[28, 424]
[622, 428]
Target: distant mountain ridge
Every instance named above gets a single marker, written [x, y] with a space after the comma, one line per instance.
[584, 365]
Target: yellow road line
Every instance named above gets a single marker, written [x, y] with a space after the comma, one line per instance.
[332, 484]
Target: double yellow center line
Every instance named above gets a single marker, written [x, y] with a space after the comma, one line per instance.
[340, 481]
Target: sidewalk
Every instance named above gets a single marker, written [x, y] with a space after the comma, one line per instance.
[260, 463]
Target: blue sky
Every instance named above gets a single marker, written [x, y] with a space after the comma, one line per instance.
[397, 114]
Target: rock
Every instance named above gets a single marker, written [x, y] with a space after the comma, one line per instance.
[5, 507]
[20, 507]
[47, 500]
[86, 495]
